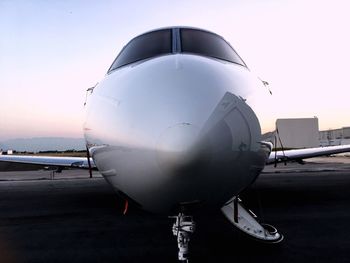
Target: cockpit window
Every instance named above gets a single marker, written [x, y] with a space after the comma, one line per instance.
[186, 40]
[145, 46]
[207, 44]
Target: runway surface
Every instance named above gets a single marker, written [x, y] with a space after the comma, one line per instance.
[76, 219]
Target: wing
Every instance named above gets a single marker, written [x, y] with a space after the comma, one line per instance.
[74, 162]
[299, 154]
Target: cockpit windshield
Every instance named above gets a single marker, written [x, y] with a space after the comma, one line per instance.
[207, 44]
[145, 46]
[176, 40]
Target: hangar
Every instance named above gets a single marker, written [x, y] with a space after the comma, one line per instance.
[295, 133]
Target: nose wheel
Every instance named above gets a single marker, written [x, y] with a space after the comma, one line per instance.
[183, 228]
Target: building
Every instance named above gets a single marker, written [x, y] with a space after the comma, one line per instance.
[8, 152]
[335, 136]
[295, 133]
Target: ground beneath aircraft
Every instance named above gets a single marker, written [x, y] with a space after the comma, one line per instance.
[80, 220]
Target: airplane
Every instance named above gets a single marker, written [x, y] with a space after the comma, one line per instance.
[173, 127]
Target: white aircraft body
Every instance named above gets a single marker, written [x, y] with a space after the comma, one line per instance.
[172, 126]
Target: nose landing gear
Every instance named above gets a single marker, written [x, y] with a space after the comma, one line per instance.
[183, 228]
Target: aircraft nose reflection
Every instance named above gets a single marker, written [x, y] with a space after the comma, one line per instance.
[224, 136]
[222, 147]
[178, 145]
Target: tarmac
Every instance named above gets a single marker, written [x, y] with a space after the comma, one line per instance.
[73, 218]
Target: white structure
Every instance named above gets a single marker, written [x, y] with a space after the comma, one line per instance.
[8, 152]
[298, 133]
[295, 133]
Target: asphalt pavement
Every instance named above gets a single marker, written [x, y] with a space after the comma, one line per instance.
[77, 219]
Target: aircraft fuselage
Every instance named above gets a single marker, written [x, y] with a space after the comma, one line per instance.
[175, 129]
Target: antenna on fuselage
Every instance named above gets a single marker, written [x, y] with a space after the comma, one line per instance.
[91, 90]
[266, 84]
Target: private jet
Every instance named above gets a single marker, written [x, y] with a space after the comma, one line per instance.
[173, 127]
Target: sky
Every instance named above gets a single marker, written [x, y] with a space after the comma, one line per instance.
[52, 51]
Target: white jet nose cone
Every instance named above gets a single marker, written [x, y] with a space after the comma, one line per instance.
[176, 145]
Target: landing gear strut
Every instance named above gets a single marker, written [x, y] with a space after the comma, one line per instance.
[183, 227]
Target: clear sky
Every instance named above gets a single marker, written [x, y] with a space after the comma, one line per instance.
[52, 51]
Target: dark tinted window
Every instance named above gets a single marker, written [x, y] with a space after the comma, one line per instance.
[145, 46]
[208, 44]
